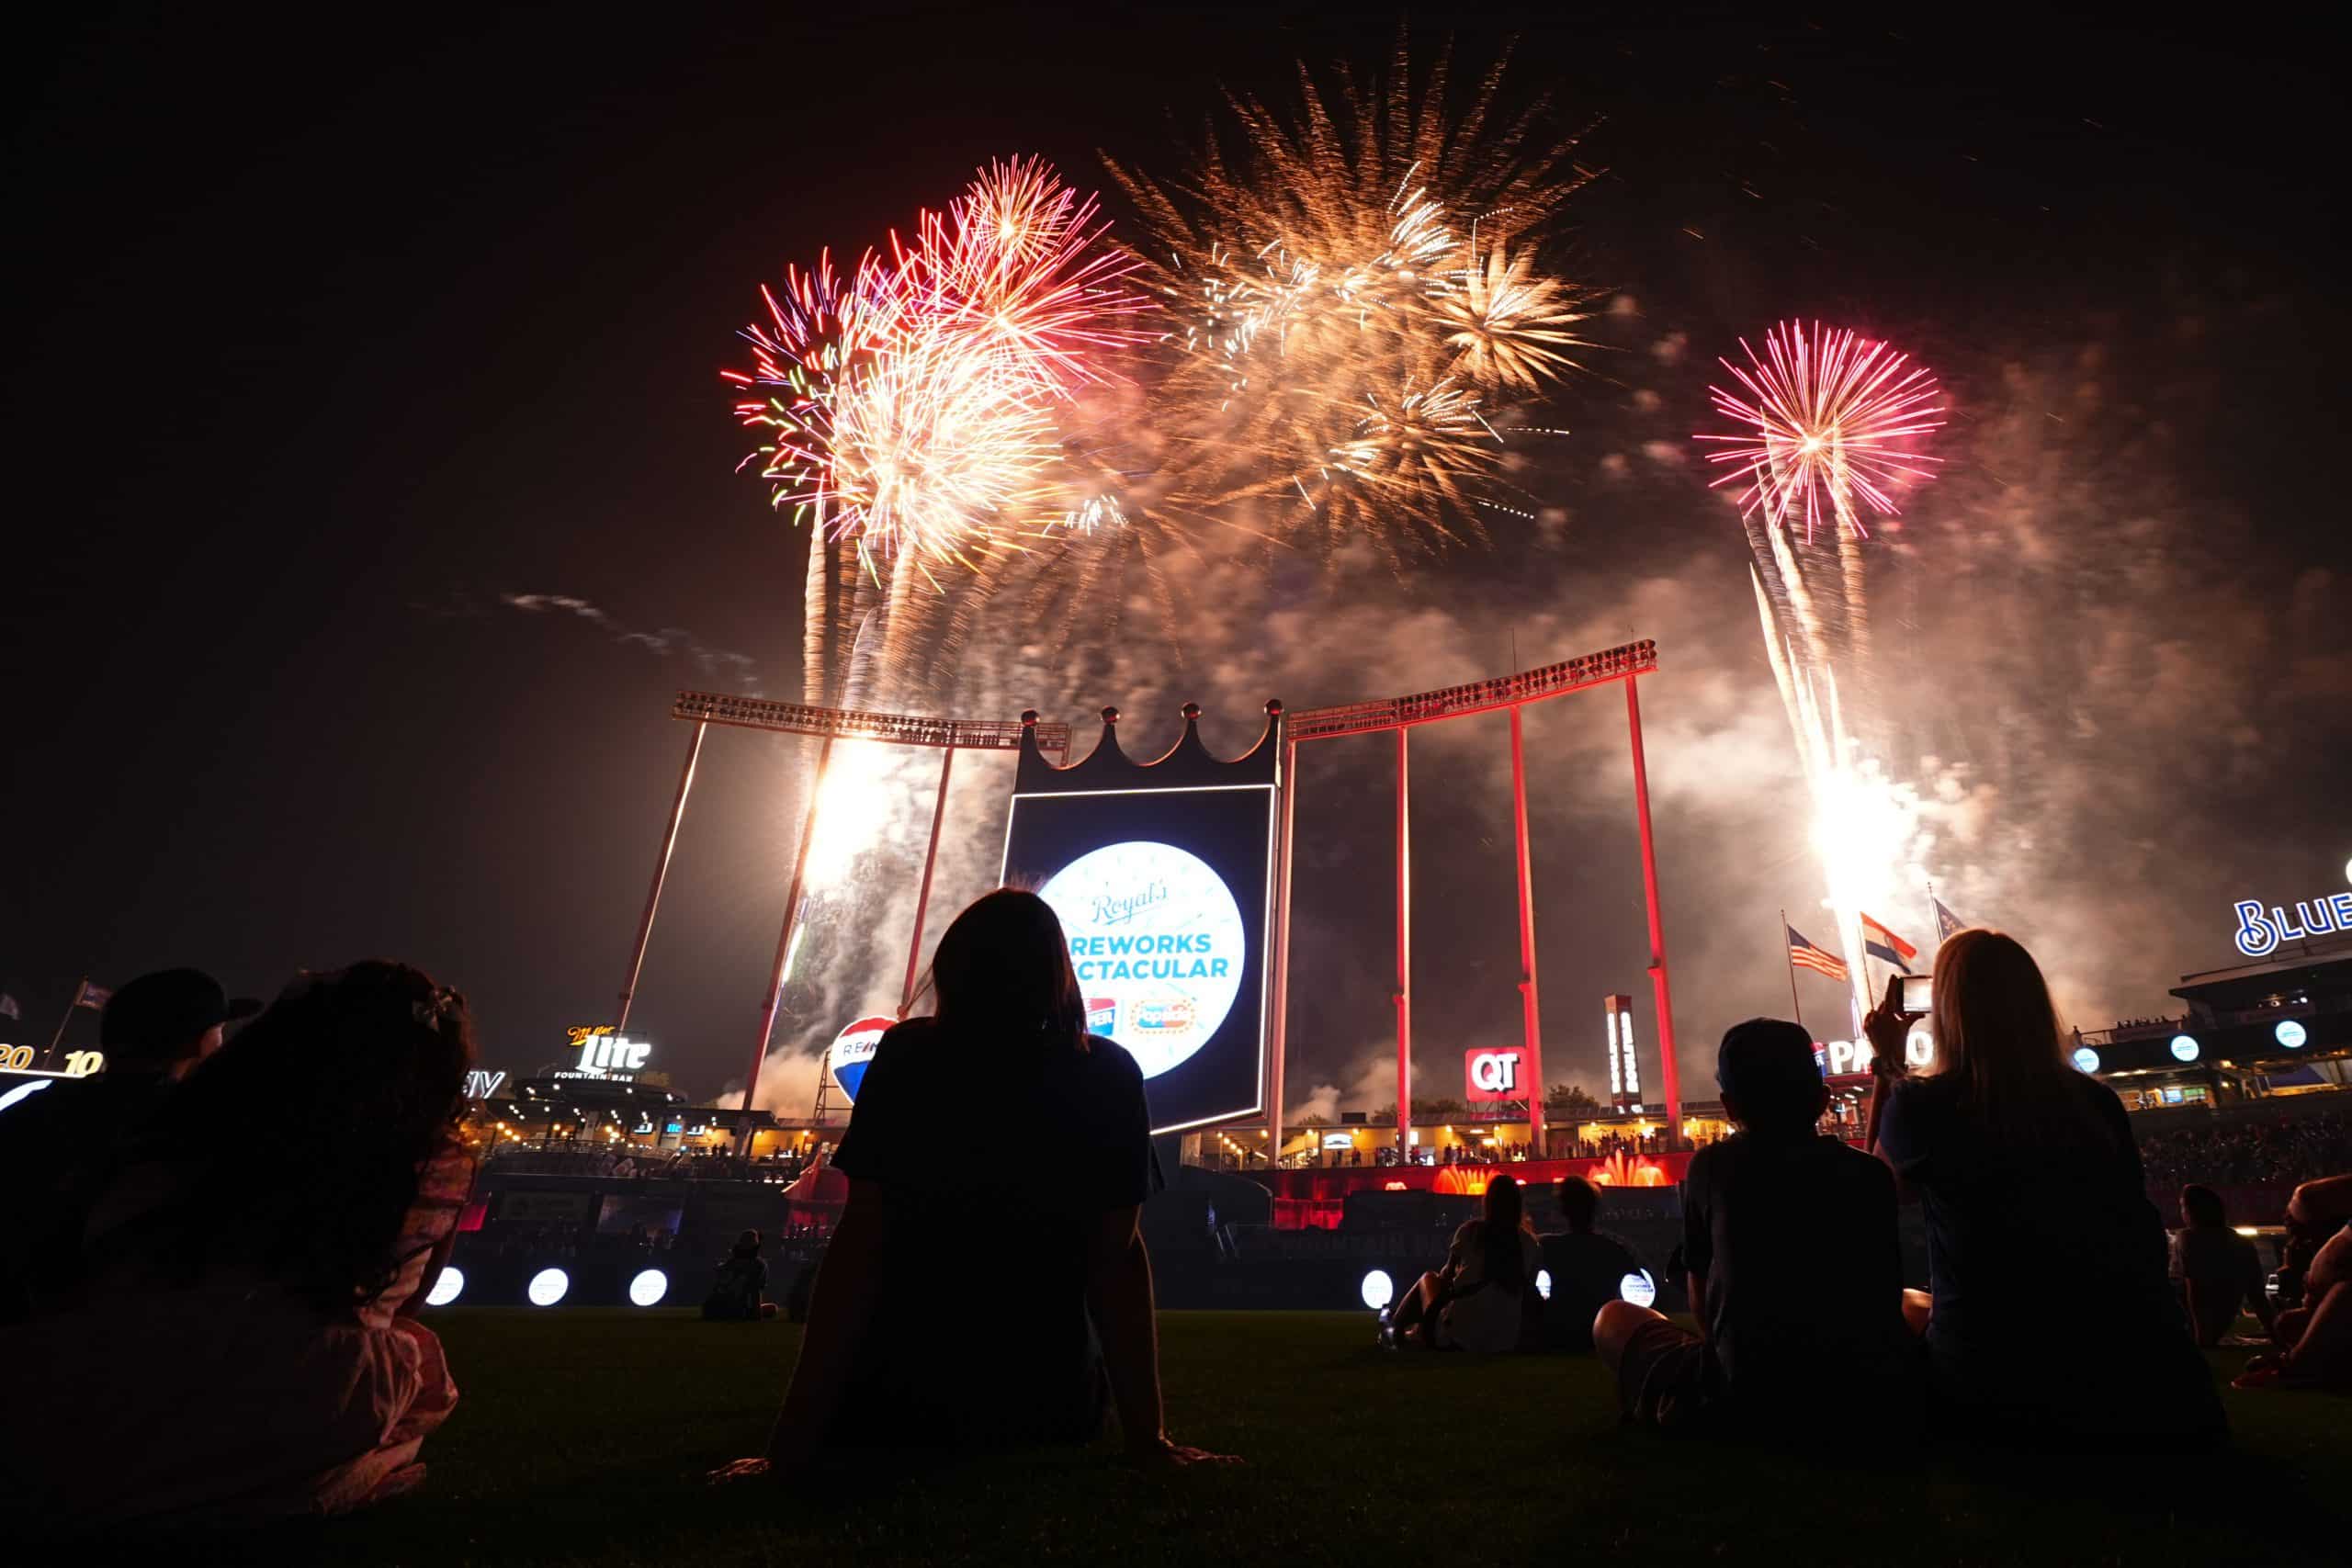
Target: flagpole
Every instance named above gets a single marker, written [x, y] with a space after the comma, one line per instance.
[78, 992]
[1788, 956]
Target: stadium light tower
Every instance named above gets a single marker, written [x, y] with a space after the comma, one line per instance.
[946, 736]
[1513, 692]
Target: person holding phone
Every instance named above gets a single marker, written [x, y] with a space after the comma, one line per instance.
[2029, 1179]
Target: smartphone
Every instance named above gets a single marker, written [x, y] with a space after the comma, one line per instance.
[1916, 996]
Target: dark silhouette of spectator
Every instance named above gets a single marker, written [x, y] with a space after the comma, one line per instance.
[59, 1146]
[917, 1336]
[1789, 1239]
[2313, 1338]
[1484, 1297]
[2029, 1176]
[246, 1347]
[2219, 1271]
[736, 1295]
[1588, 1267]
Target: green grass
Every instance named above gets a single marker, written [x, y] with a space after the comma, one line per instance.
[582, 1438]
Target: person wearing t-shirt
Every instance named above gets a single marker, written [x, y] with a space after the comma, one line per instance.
[1483, 1300]
[2032, 1190]
[1789, 1240]
[2219, 1269]
[1588, 1267]
[961, 1302]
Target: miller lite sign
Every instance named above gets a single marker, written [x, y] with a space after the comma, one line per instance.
[1493, 1074]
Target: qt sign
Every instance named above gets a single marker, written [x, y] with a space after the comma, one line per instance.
[1490, 1075]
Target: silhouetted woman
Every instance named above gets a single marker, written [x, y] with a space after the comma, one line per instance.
[952, 1305]
[1484, 1297]
[2052, 1317]
[248, 1347]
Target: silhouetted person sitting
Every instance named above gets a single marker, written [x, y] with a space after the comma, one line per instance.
[2029, 1179]
[1588, 1267]
[736, 1296]
[2219, 1271]
[60, 1145]
[1790, 1242]
[2314, 1337]
[246, 1349]
[1484, 1297]
[904, 1350]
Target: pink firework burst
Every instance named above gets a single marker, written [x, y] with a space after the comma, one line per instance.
[1826, 418]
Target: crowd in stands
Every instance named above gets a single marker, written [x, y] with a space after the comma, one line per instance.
[633, 1161]
[193, 1343]
[2287, 1148]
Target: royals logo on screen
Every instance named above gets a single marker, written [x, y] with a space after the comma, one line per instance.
[1158, 943]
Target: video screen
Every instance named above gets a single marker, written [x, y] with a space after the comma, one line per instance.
[1164, 897]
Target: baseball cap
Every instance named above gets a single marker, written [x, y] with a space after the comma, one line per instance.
[160, 1014]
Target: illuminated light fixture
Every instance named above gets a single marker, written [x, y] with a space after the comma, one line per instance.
[447, 1286]
[2185, 1048]
[1544, 1283]
[649, 1288]
[1637, 1288]
[548, 1287]
[2086, 1059]
[2290, 1033]
[1377, 1289]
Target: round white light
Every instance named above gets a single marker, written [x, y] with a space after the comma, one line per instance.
[2290, 1034]
[1377, 1289]
[446, 1287]
[1544, 1283]
[2183, 1047]
[649, 1288]
[2086, 1059]
[548, 1287]
[1637, 1288]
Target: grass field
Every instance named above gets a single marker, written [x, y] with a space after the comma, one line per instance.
[583, 1436]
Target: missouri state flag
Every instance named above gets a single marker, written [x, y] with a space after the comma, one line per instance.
[1803, 952]
[1882, 944]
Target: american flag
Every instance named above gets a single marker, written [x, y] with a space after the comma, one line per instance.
[91, 996]
[1801, 950]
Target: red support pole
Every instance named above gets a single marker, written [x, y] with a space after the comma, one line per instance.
[1404, 959]
[784, 940]
[922, 896]
[1669, 1071]
[660, 875]
[1531, 1023]
[1281, 957]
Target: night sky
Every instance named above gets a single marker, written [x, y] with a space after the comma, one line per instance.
[330, 345]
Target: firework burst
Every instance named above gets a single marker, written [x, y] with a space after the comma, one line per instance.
[1350, 298]
[912, 408]
[1826, 418]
